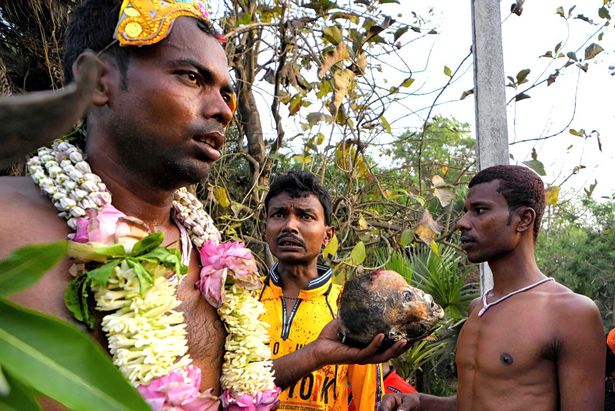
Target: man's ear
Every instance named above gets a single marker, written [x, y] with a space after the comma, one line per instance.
[100, 97]
[329, 232]
[527, 218]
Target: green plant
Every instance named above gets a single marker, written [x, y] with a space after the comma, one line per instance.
[444, 277]
[40, 354]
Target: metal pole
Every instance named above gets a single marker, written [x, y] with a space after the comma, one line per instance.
[489, 94]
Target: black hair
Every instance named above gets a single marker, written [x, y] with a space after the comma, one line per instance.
[519, 185]
[92, 27]
[300, 184]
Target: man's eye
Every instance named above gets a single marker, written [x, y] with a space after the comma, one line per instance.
[307, 217]
[190, 77]
[480, 210]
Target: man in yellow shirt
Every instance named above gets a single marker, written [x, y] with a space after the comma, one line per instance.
[311, 365]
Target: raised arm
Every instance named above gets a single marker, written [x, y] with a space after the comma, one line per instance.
[580, 362]
[327, 349]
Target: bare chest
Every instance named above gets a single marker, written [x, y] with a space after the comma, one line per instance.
[507, 356]
[205, 329]
[507, 340]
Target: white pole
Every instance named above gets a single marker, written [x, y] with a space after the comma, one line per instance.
[489, 94]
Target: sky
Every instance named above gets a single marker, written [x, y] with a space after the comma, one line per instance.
[551, 110]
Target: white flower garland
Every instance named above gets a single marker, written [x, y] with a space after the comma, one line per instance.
[147, 336]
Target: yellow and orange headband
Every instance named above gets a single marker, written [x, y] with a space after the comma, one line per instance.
[145, 22]
[610, 340]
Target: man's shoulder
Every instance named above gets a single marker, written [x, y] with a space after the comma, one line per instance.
[561, 297]
[20, 197]
[19, 192]
[570, 312]
[25, 215]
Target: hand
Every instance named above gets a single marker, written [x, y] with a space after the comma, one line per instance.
[400, 402]
[330, 350]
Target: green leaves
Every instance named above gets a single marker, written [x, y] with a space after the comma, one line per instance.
[26, 265]
[76, 300]
[406, 237]
[333, 34]
[146, 251]
[61, 362]
[19, 397]
[358, 254]
[168, 257]
[101, 275]
[147, 244]
[143, 275]
[537, 166]
[522, 76]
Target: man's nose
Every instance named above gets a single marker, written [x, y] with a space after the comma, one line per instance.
[291, 224]
[216, 106]
[462, 223]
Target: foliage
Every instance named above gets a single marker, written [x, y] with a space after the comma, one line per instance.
[577, 247]
[42, 354]
[25, 266]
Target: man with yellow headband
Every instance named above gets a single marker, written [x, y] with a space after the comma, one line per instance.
[156, 123]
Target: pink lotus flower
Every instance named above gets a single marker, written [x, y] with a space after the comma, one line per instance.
[179, 391]
[109, 226]
[220, 260]
[262, 401]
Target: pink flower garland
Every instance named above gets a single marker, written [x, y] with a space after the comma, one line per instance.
[217, 260]
[179, 391]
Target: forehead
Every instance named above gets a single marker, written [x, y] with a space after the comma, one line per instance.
[285, 201]
[486, 193]
[187, 41]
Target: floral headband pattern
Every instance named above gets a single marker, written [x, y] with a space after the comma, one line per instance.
[145, 22]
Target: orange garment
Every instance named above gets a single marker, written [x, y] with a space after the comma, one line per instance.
[393, 384]
[325, 389]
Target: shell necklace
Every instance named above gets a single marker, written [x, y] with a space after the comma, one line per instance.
[62, 173]
[486, 305]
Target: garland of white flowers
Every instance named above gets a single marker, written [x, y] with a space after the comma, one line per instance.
[146, 335]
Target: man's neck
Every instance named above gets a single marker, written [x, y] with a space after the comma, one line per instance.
[296, 277]
[133, 195]
[515, 270]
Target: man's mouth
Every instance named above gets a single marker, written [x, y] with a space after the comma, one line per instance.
[210, 143]
[290, 242]
[467, 242]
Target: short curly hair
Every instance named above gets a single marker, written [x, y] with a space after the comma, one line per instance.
[519, 185]
[92, 26]
[300, 184]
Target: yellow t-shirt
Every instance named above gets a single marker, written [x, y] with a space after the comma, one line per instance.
[326, 388]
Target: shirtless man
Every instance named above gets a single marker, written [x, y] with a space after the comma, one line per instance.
[156, 122]
[530, 343]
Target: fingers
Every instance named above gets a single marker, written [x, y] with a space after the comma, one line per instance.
[390, 402]
[372, 354]
[399, 402]
[373, 346]
[395, 350]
